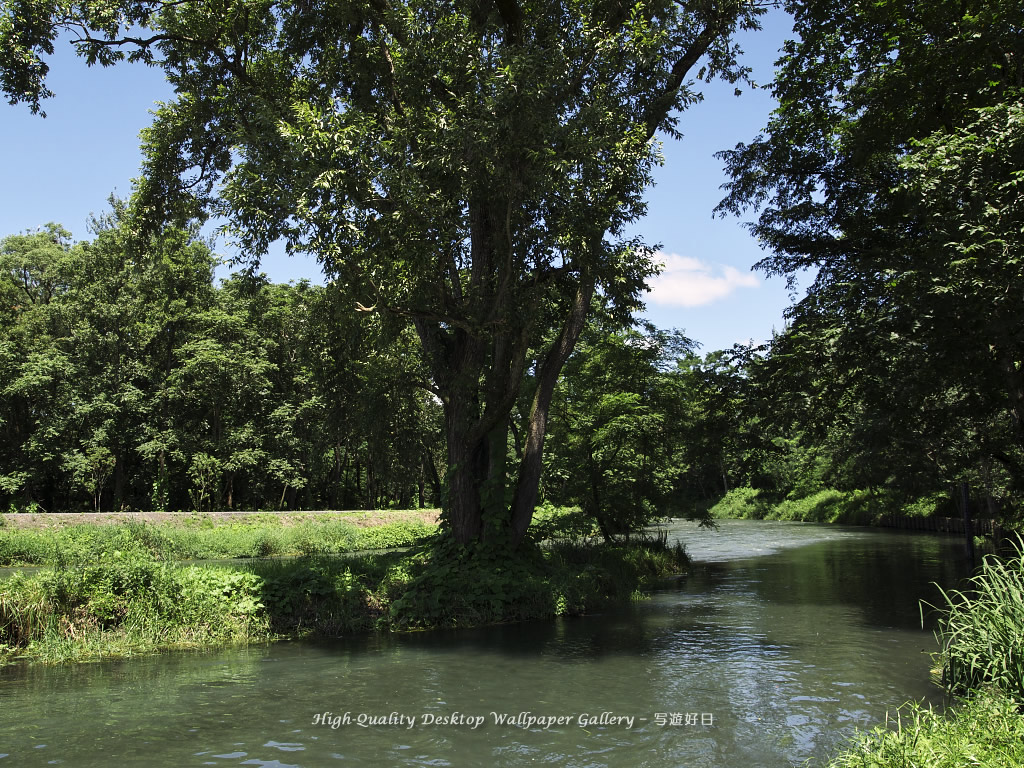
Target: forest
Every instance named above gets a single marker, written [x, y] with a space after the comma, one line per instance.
[491, 360]
[141, 383]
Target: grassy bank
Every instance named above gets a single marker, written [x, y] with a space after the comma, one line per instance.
[982, 658]
[203, 537]
[827, 506]
[128, 602]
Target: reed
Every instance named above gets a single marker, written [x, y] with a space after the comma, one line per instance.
[982, 629]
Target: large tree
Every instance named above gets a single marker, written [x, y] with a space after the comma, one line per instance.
[466, 167]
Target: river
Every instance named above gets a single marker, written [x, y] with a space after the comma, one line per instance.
[781, 640]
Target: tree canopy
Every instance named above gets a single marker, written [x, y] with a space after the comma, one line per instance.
[892, 168]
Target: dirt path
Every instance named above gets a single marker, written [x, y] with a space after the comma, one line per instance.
[363, 519]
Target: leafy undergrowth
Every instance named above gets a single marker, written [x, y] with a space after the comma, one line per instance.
[129, 602]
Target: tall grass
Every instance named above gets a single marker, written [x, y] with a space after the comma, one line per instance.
[127, 604]
[982, 630]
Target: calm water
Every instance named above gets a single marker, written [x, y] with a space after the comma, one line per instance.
[781, 640]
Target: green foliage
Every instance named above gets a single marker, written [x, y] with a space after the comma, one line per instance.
[619, 432]
[127, 380]
[449, 584]
[556, 523]
[826, 506]
[830, 506]
[465, 171]
[986, 731]
[892, 171]
[391, 535]
[743, 503]
[226, 602]
[128, 603]
[315, 595]
[932, 505]
[982, 629]
[18, 547]
[452, 585]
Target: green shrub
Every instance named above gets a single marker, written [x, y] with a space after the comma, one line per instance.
[392, 535]
[268, 543]
[315, 595]
[226, 603]
[937, 504]
[447, 584]
[556, 523]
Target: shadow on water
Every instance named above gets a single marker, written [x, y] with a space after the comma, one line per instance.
[765, 660]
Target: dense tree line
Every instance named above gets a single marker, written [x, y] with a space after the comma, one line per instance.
[135, 382]
[470, 191]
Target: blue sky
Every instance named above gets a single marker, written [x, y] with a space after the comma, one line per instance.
[64, 167]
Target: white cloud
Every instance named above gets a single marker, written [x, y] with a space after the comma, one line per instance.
[690, 282]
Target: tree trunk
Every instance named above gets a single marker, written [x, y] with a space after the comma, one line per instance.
[1014, 392]
[434, 478]
[119, 481]
[465, 476]
[525, 499]
[336, 475]
[420, 487]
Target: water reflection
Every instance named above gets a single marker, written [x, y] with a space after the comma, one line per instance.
[763, 660]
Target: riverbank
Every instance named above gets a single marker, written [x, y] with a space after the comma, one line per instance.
[982, 634]
[935, 514]
[828, 506]
[133, 600]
